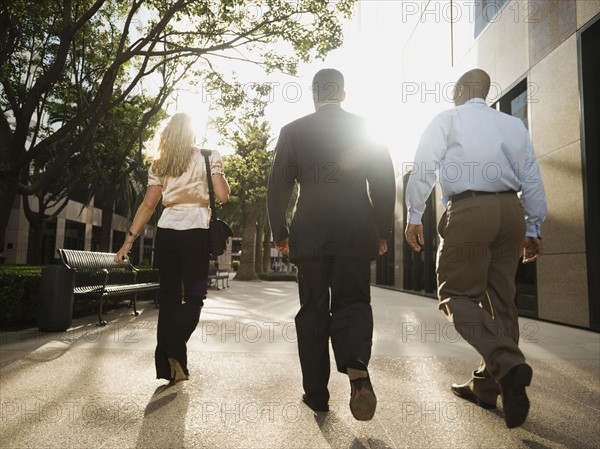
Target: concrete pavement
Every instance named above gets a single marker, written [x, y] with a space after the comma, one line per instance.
[95, 387]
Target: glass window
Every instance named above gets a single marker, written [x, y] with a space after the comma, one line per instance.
[515, 103]
[147, 251]
[74, 235]
[42, 251]
[518, 106]
[486, 11]
[96, 235]
[236, 246]
[117, 240]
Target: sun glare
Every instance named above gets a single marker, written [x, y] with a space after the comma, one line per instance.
[376, 84]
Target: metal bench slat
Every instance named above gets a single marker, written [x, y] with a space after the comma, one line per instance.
[121, 289]
[86, 290]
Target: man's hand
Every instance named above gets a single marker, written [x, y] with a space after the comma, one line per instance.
[283, 246]
[532, 249]
[382, 247]
[414, 236]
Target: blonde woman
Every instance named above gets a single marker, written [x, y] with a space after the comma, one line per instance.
[179, 176]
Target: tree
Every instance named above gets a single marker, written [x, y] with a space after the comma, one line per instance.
[44, 45]
[262, 256]
[116, 153]
[49, 202]
[248, 173]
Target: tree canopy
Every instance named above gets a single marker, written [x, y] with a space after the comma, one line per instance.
[65, 64]
[247, 172]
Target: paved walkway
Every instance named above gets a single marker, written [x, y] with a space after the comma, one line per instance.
[95, 388]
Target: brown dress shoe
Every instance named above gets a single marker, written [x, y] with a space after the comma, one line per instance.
[514, 399]
[363, 401]
[464, 392]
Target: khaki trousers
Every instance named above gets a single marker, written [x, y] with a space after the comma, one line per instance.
[481, 241]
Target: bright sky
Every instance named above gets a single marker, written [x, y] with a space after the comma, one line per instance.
[378, 87]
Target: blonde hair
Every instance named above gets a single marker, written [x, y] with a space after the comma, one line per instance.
[175, 147]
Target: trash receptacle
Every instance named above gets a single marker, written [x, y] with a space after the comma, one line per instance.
[55, 311]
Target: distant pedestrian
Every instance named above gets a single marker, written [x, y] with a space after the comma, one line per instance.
[483, 158]
[343, 217]
[182, 245]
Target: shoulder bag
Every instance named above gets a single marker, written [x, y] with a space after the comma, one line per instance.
[220, 231]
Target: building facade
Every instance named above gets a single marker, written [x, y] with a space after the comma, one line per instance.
[78, 226]
[543, 57]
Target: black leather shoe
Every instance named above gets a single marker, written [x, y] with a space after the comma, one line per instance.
[363, 401]
[464, 392]
[315, 406]
[514, 399]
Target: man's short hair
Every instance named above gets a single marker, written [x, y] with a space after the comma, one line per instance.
[328, 86]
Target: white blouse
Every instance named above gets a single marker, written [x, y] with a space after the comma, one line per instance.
[185, 198]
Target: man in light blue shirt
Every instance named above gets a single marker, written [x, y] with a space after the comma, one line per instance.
[482, 159]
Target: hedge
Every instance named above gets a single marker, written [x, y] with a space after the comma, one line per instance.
[20, 291]
[272, 276]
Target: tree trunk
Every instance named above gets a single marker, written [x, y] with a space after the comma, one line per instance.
[258, 253]
[247, 269]
[266, 247]
[8, 193]
[108, 207]
[36, 226]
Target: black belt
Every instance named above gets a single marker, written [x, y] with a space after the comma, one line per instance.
[472, 193]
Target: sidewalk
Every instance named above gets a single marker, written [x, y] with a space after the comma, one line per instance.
[95, 387]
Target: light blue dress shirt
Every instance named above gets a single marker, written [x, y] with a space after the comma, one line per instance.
[475, 147]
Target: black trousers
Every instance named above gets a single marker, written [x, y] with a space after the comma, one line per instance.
[182, 259]
[335, 301]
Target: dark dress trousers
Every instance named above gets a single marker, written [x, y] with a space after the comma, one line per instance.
[345, 206]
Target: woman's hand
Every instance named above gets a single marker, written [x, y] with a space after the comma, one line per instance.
[142, 216]
[123, 253]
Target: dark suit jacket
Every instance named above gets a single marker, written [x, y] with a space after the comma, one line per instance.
[347, 187]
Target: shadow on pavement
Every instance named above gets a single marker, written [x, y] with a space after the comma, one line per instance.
[338, 434]
[163, 424]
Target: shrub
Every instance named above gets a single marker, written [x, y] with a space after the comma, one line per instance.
[19, 293]
[272, 276]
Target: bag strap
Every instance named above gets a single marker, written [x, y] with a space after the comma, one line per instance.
[211, 192]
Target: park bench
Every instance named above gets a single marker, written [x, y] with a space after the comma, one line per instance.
[215, 275]
[98, 276]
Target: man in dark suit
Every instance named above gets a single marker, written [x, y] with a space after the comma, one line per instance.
[343, 217]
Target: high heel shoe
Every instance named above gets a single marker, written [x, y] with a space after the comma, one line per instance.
[177, 373]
